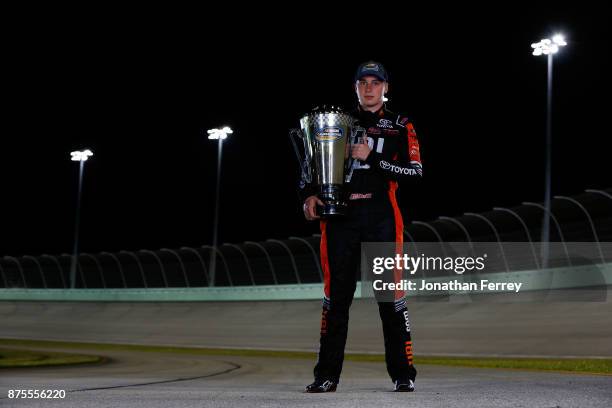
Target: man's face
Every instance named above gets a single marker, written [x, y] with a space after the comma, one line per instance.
[370, 91]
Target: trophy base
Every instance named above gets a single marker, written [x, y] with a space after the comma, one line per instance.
[331, 210]
[333, 200]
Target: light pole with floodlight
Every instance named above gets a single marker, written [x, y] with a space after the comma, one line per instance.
[220, 135]
[81, 156]
[548, 47]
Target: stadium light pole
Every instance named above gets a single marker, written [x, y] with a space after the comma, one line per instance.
[81, 156]
[548, 47]
[220, 135]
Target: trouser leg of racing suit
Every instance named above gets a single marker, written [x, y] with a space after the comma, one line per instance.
[398, 342]
[340, 247]
[392, 309]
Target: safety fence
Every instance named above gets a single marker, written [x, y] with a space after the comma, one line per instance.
[583, 218]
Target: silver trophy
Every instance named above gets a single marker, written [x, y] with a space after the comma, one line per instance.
[327, 134]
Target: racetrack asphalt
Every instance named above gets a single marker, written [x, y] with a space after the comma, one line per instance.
[573, 327]
[152, 380]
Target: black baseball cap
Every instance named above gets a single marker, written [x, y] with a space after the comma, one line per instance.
[372, 68]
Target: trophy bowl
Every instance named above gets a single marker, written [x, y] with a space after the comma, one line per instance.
[327, 133]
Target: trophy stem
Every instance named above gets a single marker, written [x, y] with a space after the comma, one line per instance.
[333, 200]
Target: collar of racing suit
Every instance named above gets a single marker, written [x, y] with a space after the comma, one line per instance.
[367, 115]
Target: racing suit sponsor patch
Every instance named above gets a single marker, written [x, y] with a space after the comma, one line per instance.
[397, 169]
[359, 196]
[385, 123]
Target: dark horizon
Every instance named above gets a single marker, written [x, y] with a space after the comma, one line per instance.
[475, 93]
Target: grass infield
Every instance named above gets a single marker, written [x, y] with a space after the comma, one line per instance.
[11, 358]
[32, 358]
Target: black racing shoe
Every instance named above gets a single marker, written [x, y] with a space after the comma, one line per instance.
[404, 386]
[321, 386]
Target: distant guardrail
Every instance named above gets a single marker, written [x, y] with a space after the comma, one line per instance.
[587, 276]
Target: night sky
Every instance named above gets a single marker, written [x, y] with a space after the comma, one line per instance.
[141, 94]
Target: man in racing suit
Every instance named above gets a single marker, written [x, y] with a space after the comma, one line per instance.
[387, 154]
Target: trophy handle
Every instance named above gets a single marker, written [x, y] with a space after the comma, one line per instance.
[303, 161]
[356, 133]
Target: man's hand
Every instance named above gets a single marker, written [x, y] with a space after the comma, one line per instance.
[310, 205]
[361, 151]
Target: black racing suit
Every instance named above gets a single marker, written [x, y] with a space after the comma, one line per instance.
[372, 216]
